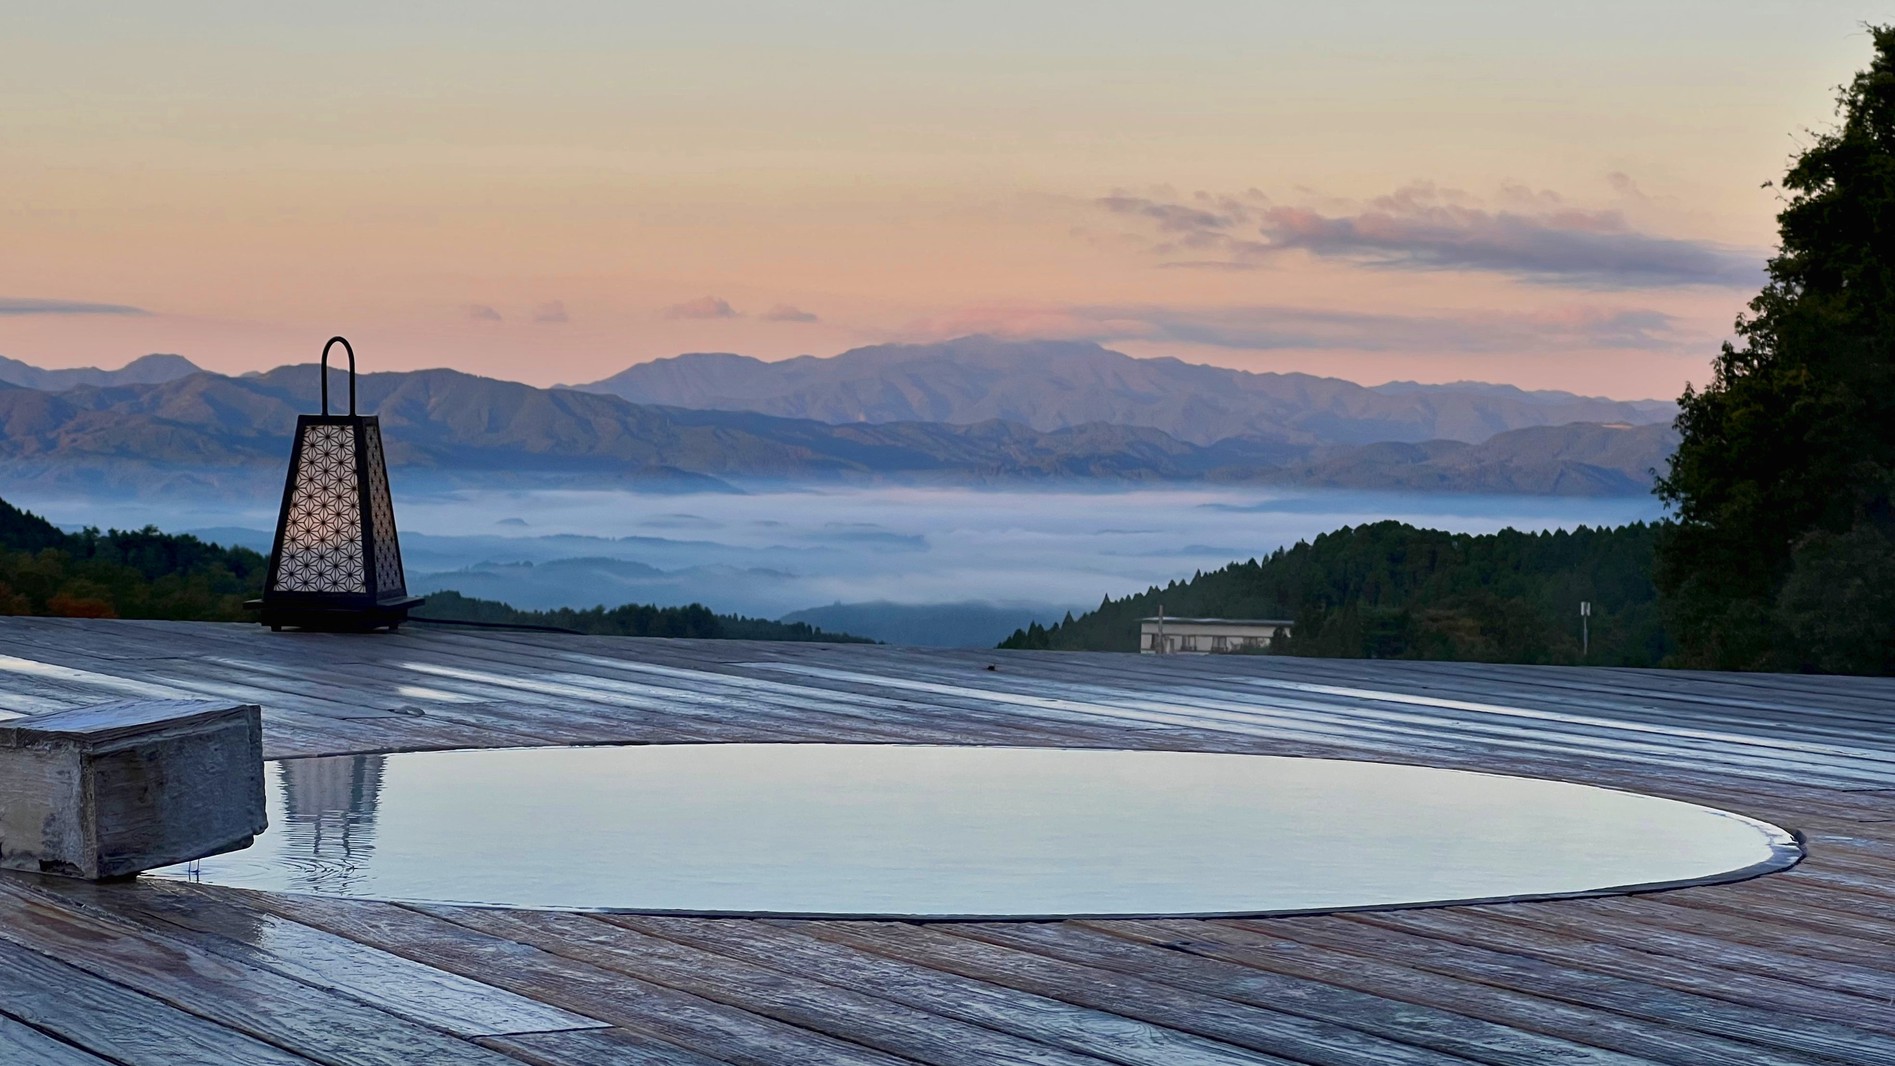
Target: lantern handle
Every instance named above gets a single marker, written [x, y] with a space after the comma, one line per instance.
[333, 341]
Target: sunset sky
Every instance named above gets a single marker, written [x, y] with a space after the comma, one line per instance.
[1558, 196]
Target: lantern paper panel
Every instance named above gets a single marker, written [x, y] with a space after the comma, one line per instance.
[386, 546]
[320, 548]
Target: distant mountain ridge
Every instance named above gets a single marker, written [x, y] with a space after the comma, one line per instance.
[446, 422]
[145, 370]
[1051, 385]
[1580, 459]
[211, 432]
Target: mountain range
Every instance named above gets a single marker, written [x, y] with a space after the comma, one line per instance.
[208, 431]
[144, 370]
[1051, 385]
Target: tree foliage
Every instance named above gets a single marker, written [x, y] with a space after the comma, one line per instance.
[630, 620]
[1783, 551]
[1392, 591]
[120, 573]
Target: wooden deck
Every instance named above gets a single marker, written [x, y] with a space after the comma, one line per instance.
[1793, 968]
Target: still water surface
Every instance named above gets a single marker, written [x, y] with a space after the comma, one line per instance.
[922, 831]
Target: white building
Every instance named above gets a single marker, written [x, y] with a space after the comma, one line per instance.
[1208, 636]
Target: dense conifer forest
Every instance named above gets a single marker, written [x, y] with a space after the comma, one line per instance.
[631, 620]
[120, 573]
[1392, 591]
[1783, 553]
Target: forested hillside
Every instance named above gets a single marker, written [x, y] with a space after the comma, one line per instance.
[120, 573]
[1392, 591]
[631, 620]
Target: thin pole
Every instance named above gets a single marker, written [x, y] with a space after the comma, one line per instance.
[1161, 630]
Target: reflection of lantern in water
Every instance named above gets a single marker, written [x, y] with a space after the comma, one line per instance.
[336, 560]
[329, 805]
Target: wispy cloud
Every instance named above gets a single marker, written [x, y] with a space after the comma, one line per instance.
[483, 313]
[16, 306]
[702, 307]
[551, 312]
[1529, 234]
[786, 313]
[1206, 222]
[1270, 328]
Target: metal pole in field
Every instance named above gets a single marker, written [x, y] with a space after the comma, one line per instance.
[1585, 628]
[1161, 629]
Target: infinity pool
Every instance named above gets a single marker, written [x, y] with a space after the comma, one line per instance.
[934, 832]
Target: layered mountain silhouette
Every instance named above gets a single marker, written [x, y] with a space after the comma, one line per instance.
[205, 430]
[1051, 385]
[144, 370]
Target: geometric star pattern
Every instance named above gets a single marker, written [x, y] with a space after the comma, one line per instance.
[388, 577]
[322, 536]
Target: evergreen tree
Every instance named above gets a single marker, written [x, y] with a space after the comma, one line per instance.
[120, 573]
[1784, 544]
[1391, 591]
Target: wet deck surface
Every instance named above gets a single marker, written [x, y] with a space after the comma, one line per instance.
[1796, 967]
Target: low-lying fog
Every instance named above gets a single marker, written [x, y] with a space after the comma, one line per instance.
[770, 553]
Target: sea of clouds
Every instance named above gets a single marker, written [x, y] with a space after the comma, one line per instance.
[776, 550]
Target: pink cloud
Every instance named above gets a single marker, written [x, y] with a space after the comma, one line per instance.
[1273, 328]
[702, 307]
[1530, 235]
[787, 313]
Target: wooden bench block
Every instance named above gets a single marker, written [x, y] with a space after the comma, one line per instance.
[107, 791]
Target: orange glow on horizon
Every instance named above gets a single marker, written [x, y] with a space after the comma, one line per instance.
[437, 183]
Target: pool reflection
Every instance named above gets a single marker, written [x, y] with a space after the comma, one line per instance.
[924, 831]
[327, 823]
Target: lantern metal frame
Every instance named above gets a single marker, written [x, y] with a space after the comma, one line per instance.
[335, 563]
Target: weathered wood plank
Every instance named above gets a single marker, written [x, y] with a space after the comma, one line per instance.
[595, 1047]
[218, 923]
[1521, 1007]
[127, 1027]
[1805, 912]
[23, 1044]
[1773, 1026]
[1298, 1039]
[718, 693]
[318, 1024]
[1708, 978]
[1361, 727]
[1099, 1032]
[1662, 938]
[846, 1014]
[1396, 1020]
[1757, 930]
[688, 1021]
[1399, 715]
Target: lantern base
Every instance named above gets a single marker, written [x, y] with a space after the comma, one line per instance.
[337, 618]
